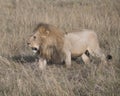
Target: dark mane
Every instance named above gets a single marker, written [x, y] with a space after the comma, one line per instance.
[46, 26]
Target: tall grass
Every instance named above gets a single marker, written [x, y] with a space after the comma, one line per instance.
[19, 73]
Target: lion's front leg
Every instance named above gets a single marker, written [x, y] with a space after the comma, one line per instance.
[68, 59]
[42, 63]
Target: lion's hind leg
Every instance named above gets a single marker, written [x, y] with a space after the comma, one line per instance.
[98, 53]
[85, 58]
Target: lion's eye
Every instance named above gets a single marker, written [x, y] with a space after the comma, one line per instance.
[34, 37]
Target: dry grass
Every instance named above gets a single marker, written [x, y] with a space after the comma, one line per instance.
[19, 74]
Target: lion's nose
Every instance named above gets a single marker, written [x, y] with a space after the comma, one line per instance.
[33, 48]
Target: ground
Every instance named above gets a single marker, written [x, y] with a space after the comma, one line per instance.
[19, 72]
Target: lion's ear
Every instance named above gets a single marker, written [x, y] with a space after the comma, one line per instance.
[42, 29]
[46, 33]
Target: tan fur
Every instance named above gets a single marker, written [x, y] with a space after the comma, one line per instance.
[76, 44]
[53, 45]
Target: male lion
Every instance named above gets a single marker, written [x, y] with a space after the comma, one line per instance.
[53, 45]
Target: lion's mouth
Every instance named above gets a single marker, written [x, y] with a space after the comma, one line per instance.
[35, 50]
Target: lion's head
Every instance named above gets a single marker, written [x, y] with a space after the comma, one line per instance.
[47, 40]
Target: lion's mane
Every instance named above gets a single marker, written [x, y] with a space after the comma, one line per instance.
[51, 46]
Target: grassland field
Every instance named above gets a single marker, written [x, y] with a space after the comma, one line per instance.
[19, 73]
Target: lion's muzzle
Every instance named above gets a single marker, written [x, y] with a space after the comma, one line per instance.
[35, 50]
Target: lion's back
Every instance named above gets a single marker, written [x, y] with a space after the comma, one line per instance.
[83, 35]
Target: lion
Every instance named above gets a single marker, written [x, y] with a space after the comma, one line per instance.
[56, 46]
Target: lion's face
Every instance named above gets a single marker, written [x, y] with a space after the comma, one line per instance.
[34, 42]
[37, 39]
